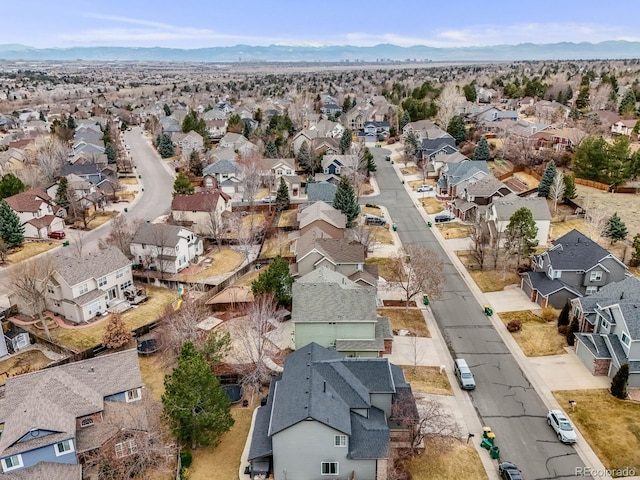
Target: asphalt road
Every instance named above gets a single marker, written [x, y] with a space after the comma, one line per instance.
[504, 399]
[157, 181]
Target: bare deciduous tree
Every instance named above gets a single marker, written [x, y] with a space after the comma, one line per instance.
[251, 172]
[556, 190]
[447, 103]
[121, 234]
[479, 242]
[178, 326]
[29, 280]
[417, 269]
[595, 218]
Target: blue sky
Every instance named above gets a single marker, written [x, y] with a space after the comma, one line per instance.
[209, 23]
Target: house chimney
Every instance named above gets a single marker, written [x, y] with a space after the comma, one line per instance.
[621, 295]
[324, 386]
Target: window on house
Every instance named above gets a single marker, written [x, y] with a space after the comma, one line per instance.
[329, 468]
[94, 307]
[604, 324]
[125, 285]
[625, 339]
[64, 447]
[126, 448]
[133, 395]
[56, 303]
[591, 290]
[84, 288]
[86, 422]
[11, 463]
[102, 281]
[596, 276]
[120, 273]
[50, 289]
[340, 441]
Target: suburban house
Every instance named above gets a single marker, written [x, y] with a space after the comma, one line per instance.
[38, 214]
[321, 192]
[454, 177]
[502, 208]
[188, 142]
[334, 166]
[423, 129]
[624, 127]
[574, 266]
[610, 329]
[201, 212]
[323, 216]
[82, 288]
[57, 419]
[338, 313]
[328, 416]
[225, 172]
[276, 168]
[165, 248]
[476, 197]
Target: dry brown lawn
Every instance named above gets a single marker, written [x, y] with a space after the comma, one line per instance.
[411, 320]
[529, 180]
[100, 218]
[153, 369]
[488, 280]
[454, 230]
[222, 261]
[247, 280]
[380, 234]
[364, 210]
[624, 204]
[128, 181]
[126, 196]
[431, 205]
[274, 246]
[410, 170]
[456, 461]
[288, 219]
[384, 267]
[224, 460]
[254, 220]
[31, 249]
[611, 426]
[30, 361]
[537, 338]
[79, 339]
[427, 380]
[416, 183]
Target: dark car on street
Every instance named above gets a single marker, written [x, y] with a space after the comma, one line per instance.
[509, 471]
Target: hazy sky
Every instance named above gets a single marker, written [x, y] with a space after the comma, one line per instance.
[208, 23]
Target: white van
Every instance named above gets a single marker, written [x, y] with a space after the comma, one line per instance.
[464, 375]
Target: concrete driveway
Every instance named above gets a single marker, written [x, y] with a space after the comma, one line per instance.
[566, 372]
[510, 300]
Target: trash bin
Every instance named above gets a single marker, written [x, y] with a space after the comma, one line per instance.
[429, 224]
[126, 209]
[488, 310]
[403, 182]
[395, 228]
[65, 243]
[494, 452]
[486, 431]
[425, 299]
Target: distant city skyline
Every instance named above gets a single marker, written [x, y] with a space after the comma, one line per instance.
[200, 24]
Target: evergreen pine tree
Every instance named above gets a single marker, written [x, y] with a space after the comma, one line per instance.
[10, 185]
[182, 185]
[195, 406]
[563, 318]
[345, 141]
[406, 118]
[571, 331]
[457, 129]
[345, 201]
[615, 229]
[482, 151]
[304, 158]
[619, 382]
[11, 230]
[110, 153]
[62, 194]
[195, 163]
[165, 146]
[569, 187]
[282, 197]
[276, 279]
[547, 179]
[270, 150]
[635, 255]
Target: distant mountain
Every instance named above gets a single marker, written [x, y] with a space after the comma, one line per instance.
[338, 53]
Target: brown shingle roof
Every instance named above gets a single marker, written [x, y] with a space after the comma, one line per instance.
[28, 201]
[198, 202]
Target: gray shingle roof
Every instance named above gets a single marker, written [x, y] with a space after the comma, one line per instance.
[485, 187]
[97, 264]
[629, 288]
[507, 206]
[545, 285]
[158, 234]
[321, 191]
[324, 295]
[575, 251]
[321, 211]
[595, 343]
[369, 436]
[221, 167]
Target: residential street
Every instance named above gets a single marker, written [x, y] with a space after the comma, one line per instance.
[504, 399]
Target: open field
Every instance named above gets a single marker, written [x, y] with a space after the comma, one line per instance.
[611, 426]
[25, 362]
[223, 460]
[427, 380]
[537, 337]
[412, 320]
[31, 249]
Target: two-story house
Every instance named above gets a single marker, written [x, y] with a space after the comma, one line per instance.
[454, 177]
[225, 172]
[323, 216]
[476, 197]
[574, 266]
[328, 416]
[609, 323]
[201, 212]
[338, 313]
[57, 418]
[334, 166]
[423, 129]
[273, 169]
[188, 142]
[81, 288]
[167, 248]
[501, 209]
[38, 214]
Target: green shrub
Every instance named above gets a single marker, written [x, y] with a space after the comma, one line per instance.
[185, 458]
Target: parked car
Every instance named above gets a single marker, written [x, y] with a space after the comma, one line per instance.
[509, 471]
[463, 374]
[374, 220]
[561, 425]
[57, 234]
[443, 217]
[424, 188]
[269, 199]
